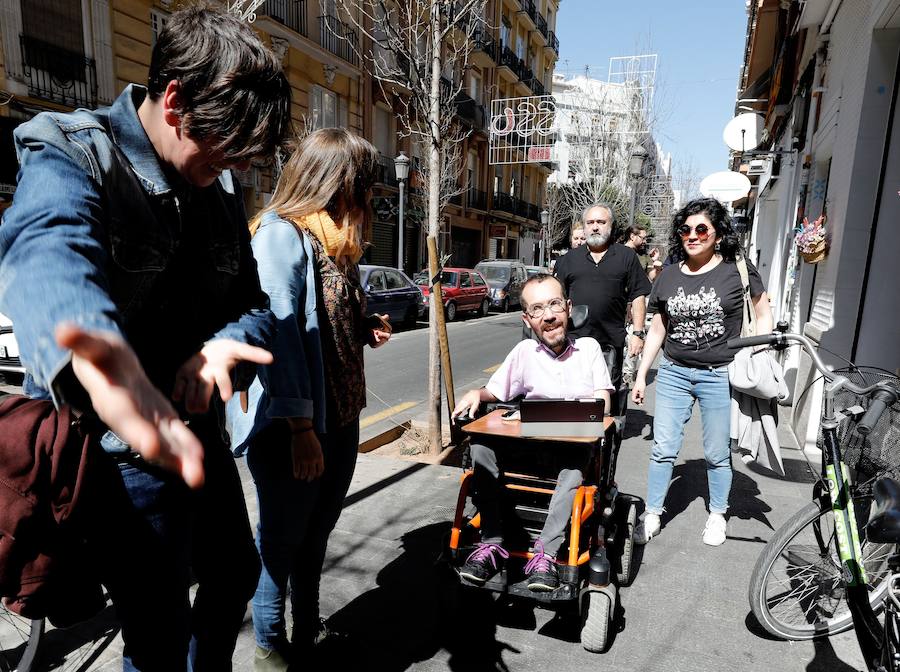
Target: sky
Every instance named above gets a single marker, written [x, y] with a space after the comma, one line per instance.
[700, 45]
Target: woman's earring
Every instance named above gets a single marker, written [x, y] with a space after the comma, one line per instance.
[717, 246]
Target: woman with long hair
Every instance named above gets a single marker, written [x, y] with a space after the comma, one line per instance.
[300, 428]
[698, 303]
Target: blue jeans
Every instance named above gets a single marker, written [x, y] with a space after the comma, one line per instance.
[677, 387]
[147, 531]
[295, 520]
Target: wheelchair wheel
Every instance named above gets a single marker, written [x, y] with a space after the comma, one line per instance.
[20, 639]
[596, 613]
[628, 522]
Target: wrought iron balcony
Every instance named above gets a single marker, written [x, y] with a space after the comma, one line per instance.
[554, 42]
[385, 172]
[59, 75]
[542, 25]
[339, 38]
[530, 9]
[509, 59]
[535, 85]
[290, 13]
[504, 202]
[484, 42]
[477, 199]
[470, 111]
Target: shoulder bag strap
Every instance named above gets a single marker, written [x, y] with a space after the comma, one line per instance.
[748, 326]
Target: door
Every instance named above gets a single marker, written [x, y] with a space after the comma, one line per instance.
[466, 292]
[479, 288]
[402, 294]
[376, 293]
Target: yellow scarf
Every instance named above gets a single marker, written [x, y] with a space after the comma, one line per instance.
[333, 237]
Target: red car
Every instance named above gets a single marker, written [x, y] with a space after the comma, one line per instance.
[462, 288]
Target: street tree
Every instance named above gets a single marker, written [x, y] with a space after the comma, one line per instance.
[418, 52]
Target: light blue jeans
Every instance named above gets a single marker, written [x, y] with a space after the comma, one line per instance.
[677, 387]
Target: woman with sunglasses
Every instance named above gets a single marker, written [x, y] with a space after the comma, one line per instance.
[698, 305]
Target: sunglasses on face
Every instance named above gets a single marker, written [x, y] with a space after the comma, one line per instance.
[702, 231]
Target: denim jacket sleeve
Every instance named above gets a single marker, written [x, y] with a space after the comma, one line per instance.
[283, 262]
[52, 257]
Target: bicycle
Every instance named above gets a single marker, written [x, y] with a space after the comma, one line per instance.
[28, 645]
[817, 569]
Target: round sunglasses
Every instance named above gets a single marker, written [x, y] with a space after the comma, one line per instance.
[702, 231]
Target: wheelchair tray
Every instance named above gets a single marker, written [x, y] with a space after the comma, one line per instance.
[492, 424]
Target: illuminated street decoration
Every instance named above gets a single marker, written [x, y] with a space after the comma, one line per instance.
[522, 130]
[245, 9]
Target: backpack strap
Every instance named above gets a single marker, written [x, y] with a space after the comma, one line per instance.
[748, 326]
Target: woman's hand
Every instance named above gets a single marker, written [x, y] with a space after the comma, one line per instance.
[638, 389]
[382, 335]
[306, 455]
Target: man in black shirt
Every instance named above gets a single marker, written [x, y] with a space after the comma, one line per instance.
[606, 276]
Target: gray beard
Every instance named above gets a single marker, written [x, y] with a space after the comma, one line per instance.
[597, 240]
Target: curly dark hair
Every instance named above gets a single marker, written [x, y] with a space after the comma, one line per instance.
[729, 245]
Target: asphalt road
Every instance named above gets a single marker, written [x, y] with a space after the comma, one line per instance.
[397, 373]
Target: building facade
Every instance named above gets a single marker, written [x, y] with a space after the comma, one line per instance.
[823, 74]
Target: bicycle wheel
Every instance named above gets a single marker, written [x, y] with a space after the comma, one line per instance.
[19, 641]
[797, 590]
[80, 647]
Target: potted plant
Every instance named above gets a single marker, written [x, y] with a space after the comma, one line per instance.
[811, 240]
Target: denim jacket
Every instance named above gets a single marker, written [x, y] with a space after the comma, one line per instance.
[294, 386]
[93, 235]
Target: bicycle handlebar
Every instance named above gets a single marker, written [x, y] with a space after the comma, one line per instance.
[881, 399]
[747, 341]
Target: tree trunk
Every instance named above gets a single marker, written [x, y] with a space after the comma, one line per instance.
[434, 188]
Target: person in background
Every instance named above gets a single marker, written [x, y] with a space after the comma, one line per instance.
[698, 304]
[301, 428]
[635, 237]
[606, 276]
[127, 240]
[577, 238]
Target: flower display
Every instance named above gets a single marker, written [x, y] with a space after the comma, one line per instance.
[811, 240]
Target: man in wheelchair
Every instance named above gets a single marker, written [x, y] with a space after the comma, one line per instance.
[554, 367]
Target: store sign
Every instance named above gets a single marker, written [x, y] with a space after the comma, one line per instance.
[497, 231]
[522, 130]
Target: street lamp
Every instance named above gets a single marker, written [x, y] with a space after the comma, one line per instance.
[545, 219]
[401, 169]
[635, 170]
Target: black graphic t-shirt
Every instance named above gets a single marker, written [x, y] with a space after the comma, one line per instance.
[703, 312]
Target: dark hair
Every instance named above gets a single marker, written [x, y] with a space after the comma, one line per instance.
[537, 279]
[233, 91]
[729, 246]
[633, 230]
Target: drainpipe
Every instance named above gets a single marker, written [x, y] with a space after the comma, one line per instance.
[825, 28]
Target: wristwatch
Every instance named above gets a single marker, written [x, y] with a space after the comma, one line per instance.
[640, 334]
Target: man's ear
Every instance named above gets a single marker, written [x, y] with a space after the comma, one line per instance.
[172, 104]
[525, 319]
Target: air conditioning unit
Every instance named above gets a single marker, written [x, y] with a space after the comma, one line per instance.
[757, 167]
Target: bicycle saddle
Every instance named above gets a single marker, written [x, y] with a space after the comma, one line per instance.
[884, 522]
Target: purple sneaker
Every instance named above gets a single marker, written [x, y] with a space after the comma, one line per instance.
[541, 571]
[482, 564]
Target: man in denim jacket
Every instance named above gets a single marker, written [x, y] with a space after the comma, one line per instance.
[125, 265]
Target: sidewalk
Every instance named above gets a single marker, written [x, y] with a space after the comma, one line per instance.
[686, 610]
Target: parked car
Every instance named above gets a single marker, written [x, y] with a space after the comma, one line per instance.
[463, 289]
[505, 278]
[537, 270]
[9, 349]
[390, 291]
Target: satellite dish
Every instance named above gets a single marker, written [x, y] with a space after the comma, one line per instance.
[744, 132]
[726, 185]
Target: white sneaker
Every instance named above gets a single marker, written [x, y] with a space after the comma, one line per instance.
[714, 532]
[647, 528]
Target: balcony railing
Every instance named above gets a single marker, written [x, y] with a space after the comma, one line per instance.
[484, 42]
[535, 85]
[457, 199]
[59, 75]
[554, 42]
[509, 59]
[542, 25]
[504, 202]
[530, 9]
[290, 13]
[470, 111]
[477, 199]
[338, 38]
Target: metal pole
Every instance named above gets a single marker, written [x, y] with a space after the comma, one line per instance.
[400, 230]
[633, 202]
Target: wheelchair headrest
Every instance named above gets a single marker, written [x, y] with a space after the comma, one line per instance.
[578, 317]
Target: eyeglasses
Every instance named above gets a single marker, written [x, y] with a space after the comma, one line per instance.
[702, 231]
[537, 310]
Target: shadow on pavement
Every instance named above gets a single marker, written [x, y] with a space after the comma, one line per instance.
[417, 610]
[636, 421]
[689, 483]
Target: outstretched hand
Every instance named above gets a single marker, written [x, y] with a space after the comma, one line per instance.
[129, 404]
[211, 367]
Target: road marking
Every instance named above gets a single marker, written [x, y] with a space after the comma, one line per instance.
[386, 413]
[493, 368]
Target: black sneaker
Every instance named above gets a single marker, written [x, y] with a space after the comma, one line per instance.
[541, 571]
[482, 564]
